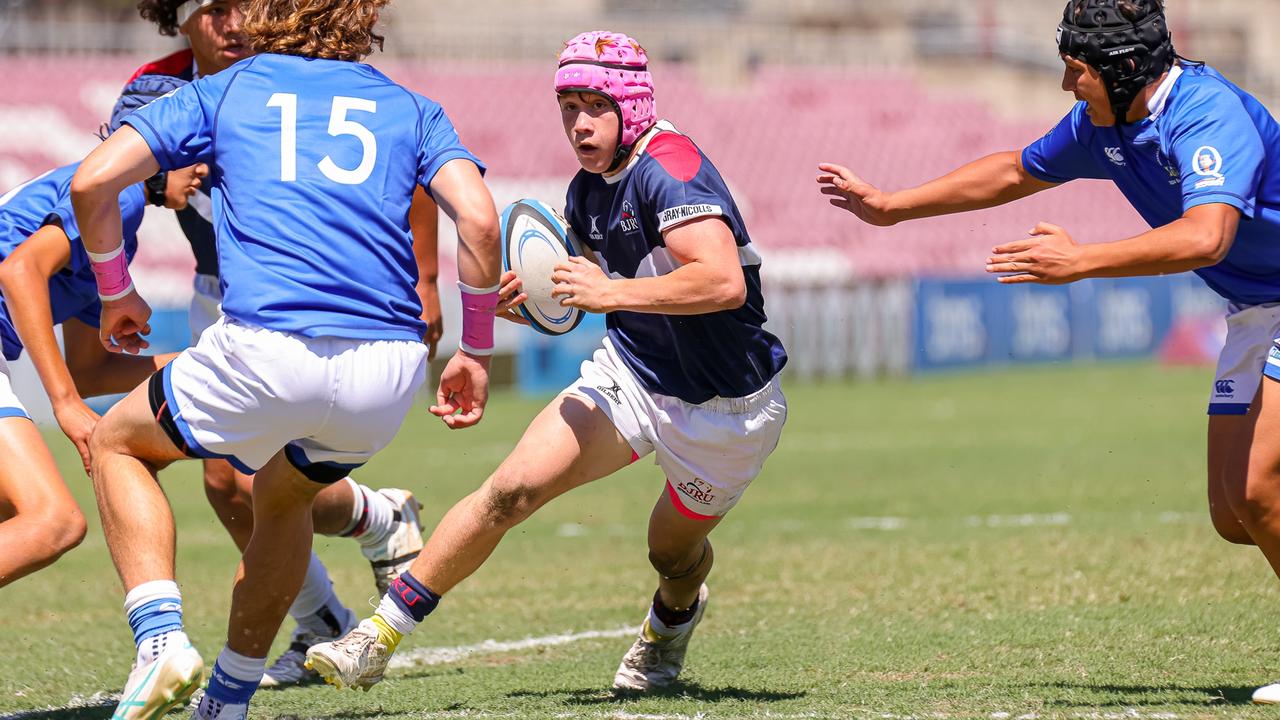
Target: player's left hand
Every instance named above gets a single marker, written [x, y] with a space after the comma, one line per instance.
[1049, 257]
[582, 284]
[464, 390]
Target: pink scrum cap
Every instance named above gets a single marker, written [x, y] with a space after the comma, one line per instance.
[615, 66]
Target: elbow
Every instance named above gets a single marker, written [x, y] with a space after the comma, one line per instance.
[733, 294]
[90, 183]
[1212, 247]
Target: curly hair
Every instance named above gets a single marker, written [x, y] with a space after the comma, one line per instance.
[163, 13]
[328, 29]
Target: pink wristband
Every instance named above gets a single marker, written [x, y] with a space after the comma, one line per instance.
[478, 307]
[112, 272]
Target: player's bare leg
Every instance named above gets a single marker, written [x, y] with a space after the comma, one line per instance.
[128, 447]
[681, 553]
[1229, 438]
[39, 520]
[570, 443]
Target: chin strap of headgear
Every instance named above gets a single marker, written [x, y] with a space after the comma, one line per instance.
[1129, 53]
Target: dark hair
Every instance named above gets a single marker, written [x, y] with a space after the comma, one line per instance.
[164, 13]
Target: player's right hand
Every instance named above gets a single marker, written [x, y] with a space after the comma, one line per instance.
[464, 390]
[77, 422]
[124, 323]
[509, 296]
[850, 192]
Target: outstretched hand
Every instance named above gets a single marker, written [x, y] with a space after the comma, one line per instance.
[463, 392]
[1049, 257]
[850, 192]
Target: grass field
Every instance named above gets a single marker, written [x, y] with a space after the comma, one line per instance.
[1029, 543]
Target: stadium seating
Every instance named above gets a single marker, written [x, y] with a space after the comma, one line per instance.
[766, 135]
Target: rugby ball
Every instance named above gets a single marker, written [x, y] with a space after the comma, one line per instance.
[534, 240]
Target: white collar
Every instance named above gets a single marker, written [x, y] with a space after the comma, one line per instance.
[1156, 104]
[638, 151]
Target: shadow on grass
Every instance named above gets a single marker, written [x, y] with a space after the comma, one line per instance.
[91, 712]
[1140, 695]
[681, 689]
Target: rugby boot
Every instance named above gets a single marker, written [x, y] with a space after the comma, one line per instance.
[356, 660]
[161, 685]
[1267, 694]
[290, 668]
[655, 661]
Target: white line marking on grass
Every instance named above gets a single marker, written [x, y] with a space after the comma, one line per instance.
[877, 523]
[1018, 521]
[445, 655]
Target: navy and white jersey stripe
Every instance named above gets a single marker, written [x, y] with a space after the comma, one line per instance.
[622, 218]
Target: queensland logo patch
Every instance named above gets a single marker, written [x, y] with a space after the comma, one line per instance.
[1207, 163]
[1114, 155]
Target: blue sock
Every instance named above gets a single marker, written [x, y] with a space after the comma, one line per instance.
[235, 678]
[153, 608]
[413, 597]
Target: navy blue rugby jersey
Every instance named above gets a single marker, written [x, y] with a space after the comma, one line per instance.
[622, 218]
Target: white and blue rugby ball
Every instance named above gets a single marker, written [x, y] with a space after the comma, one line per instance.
[534, 240]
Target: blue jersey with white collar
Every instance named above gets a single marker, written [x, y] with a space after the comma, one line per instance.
[313, 165]
[73, 291]
[1206, 141]
[622, 218]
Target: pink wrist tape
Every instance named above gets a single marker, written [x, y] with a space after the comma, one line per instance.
[478, 307]
[112, 271]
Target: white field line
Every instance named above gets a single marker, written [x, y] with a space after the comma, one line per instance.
[445, 655]
[1028, 520]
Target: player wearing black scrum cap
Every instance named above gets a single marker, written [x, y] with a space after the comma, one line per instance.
[1196, 156]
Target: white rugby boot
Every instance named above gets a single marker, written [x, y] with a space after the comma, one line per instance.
[290, 668]
[159, 686]
[356, 660]
[1267, 694]
[655, 661]
[393, 557]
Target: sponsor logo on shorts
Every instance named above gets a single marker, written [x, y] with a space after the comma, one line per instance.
[1225, 388]
[698, 491]
[1274, 356]
[613, 393]
[1114, 155]
[684, 212]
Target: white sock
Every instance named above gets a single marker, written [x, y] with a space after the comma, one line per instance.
[661, 629]
[391, 613]
[317, 592]
[147, 592]
[379, 517]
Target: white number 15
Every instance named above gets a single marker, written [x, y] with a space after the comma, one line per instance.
[338, 125]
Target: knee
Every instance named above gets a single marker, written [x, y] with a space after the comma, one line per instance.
[508, 500]
[1259, 504]
[58, 529]
[1229, 527]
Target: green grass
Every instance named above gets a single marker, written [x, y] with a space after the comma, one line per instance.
[1029, 542]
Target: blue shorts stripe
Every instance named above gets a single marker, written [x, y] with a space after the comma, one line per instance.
[1229, 408]
[9, 412]
[185, 430]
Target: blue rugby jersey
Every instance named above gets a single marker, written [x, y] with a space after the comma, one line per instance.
[1206, 141]
[73, 291]
[622, 218]
[312, 166]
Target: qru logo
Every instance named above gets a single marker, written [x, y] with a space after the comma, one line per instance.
[1114, 155]
[1207, 163]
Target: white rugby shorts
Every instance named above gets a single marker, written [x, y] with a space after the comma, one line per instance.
[710, 452]
[10, 405]
[1251, 334]
[206, 305]
[243, 393]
